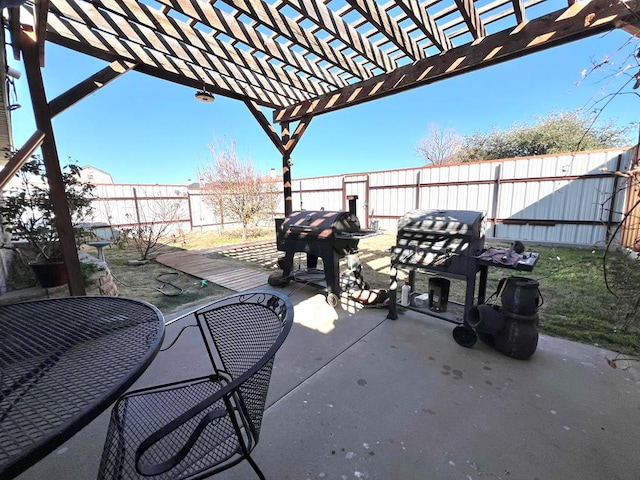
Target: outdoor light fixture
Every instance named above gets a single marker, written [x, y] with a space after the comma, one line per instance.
[204, 96]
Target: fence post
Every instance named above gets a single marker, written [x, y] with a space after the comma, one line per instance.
[417, 204]
[496, 199]
[190, 211]
[135, 203]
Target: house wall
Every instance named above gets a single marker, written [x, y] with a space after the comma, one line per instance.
[95, 175]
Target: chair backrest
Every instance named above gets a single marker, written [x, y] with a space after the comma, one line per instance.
[246, 331]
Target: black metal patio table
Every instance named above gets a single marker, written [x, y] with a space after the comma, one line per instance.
[62, 362]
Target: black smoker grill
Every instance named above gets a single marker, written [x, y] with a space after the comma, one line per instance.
[440, 241]
[328, 235]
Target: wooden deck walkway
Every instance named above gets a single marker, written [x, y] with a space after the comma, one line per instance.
[232, 274]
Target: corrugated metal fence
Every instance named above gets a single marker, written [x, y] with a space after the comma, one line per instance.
[560, 199]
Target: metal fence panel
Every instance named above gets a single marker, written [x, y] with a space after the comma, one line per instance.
[563, 199]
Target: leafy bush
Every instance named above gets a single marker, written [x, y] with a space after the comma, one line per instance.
[27, 209]
[555, 133]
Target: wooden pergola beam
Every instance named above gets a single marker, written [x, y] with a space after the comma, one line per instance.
[472, 18]
[270, 17]
[579, 21]
[387, 26]
[633, 27]
[418, 15]
[229, 25]
[21, 156]
[64, 224]
[104, 45]
[519, 11]
[285, 145]
[254, 108]
[88, 86]
[171, 39]
[42, 11]
[334, 24]
[151, 70]
[294, 138]
[14, 28]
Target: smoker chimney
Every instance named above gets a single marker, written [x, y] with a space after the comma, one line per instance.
[353, 199]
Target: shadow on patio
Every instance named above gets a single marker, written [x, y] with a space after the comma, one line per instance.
[356, 396]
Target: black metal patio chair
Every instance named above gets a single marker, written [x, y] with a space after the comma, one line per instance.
[198, 427]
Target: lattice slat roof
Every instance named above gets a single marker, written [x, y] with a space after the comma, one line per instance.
[305, 57]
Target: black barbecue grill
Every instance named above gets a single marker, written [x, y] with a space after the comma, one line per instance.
[439, 241]
[323, 234]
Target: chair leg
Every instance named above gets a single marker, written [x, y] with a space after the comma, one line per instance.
[255, 467]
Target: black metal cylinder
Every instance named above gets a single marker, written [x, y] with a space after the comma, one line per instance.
[486, 318]
[438, 294]
[520, 300]
[518, 339]
[353, 204]
[521, 296]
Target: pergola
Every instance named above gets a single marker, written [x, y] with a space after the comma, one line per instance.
[297, 58]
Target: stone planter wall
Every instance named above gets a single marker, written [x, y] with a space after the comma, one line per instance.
[100, 282]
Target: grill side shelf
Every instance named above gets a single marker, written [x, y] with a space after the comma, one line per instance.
[454, 313]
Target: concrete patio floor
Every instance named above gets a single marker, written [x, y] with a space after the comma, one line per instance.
[356, 396]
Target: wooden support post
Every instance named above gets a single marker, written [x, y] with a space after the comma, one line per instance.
[367, 199]
[285, 146]
[496, 199]
[286, 172]
[42, 116]
[289, 142]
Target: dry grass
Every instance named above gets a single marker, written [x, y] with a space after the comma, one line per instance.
[168, 289]
[146, 282]
[197, 240]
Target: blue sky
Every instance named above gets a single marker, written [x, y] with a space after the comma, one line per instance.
[144, 130]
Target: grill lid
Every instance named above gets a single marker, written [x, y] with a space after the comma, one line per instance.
[320, 224]
[452, 222]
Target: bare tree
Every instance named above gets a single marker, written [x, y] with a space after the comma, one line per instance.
[439, 146]
[618, 75]
[155, 217]
[236, 189]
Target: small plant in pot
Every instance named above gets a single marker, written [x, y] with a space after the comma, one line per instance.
[27, 215]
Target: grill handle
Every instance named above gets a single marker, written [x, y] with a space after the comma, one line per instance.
[299, 229]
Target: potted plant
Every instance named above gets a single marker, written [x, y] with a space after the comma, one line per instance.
[27, 215]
